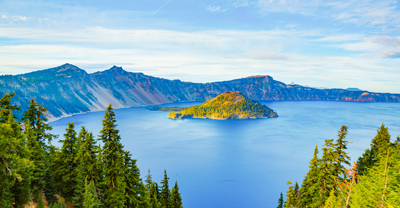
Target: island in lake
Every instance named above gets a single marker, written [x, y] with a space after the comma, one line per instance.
[228, 105]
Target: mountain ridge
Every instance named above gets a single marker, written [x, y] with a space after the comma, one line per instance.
[66, 90]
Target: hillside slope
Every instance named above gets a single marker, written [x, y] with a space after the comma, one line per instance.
[67, 90]
[228, 105]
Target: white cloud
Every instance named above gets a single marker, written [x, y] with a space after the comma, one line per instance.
[215, 9]
[4, 16]
[265, 56]
[205, 56]
[373, 12]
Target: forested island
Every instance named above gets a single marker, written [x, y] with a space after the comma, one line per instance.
[81, 174]
[228, 105]
[374, 181]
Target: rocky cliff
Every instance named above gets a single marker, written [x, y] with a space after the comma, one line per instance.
[67, 90]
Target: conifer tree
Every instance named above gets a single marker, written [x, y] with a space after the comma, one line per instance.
[165, 193]
[50, 176]
[176, 197]
[66, 163]
[280, 201]
[332, 201]
[35, 117]
[38, 157]
[379, 186]
[40, 202]
[14, 162]
[90, 196]
[151, 190]
[154, 203]
[290, 196]
[132, 180]
[37, 129]
[340, 155]
[113, 159]
[309, 188]
[325, 180]
[87, 163]
[6, 108]
[379, 146]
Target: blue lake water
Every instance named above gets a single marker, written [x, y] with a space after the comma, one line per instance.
[239, 163]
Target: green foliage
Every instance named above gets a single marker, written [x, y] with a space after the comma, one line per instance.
[30, 168]
[176, 197]
[40, 201]
[66, 163]
[36, 119]
[328, 184]
[6, 108]
[290, 196]
[280, 201]
[379, 146]
[90, 197]
[14, 162]
[309, 188]
[134, 188]
[87, 164]
[113, 161]
[332, 201]
[166, 201]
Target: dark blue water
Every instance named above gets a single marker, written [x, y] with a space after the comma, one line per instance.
[240, 163]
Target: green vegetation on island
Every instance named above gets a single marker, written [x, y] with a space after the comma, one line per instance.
[80, 174]
[228, 105]
[374, 181]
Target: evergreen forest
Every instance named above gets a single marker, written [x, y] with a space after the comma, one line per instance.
[82, 173]
[372, 181]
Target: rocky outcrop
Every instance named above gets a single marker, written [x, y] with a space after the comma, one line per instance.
[67, 90]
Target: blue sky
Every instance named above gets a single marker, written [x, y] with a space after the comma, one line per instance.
[333, 44]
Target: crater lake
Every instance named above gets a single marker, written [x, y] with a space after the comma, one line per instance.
[239, 163]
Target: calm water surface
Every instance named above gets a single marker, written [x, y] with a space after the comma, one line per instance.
[239, 163]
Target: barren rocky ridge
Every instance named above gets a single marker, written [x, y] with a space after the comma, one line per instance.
[67, 90]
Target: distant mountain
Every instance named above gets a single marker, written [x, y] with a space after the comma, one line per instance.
[228, 105]
[353, 89]
[67, 90]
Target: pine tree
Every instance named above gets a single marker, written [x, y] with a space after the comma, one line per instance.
[36, 129]
[280, 201]
[379, 146]
[35, 117]
[87, 163]
[310, 187]
[290, 196]
[132, 180]
[332, 201]
[325, 180]
[176, 197]
[50, 176]
[66, 164]
[37, 156]
[340, 155]
[40, 202]
[6, 108]
[90, 197]
[379, 186]
[14, 162]
[113, 159]
[165, 193]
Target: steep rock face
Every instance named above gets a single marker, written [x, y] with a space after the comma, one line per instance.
[67, 90]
